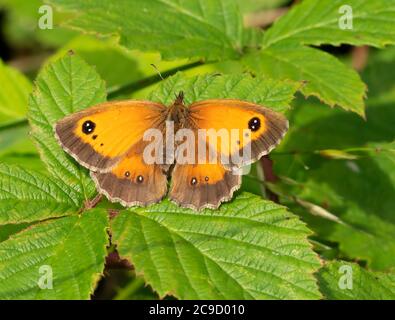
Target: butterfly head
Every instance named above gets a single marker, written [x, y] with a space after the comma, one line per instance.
[177, 111]
[179, 98]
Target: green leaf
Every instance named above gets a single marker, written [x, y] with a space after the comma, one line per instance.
[97, 52]
[326, 77]
[248, 249]
[21, 25]
[366, 285]
[29, 196]
[63, 87]
[14, 93]
[73, 247]
[177, 29]
[359, 192]
[26, 161]
[317, 22]
[274, 94]
[379, 74]
[15, 139]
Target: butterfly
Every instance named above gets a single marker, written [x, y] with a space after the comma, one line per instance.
[110, 140]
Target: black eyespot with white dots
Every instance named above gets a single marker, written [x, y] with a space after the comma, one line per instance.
[254, 124]
[206, 179]
[88, 127]
[194, 181]
[140, 179]
[127, 174]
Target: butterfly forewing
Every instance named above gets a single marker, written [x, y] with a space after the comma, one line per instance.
[251, 130]
[100, 136]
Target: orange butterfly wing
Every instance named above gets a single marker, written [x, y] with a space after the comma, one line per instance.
[199, 185]
[100, 136]
[132, 181]
[108, 139]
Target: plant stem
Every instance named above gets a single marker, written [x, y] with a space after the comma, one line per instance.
[90, 204]
[270, 176]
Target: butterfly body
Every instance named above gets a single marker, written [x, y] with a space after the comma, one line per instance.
[111, 140]
[177, 112]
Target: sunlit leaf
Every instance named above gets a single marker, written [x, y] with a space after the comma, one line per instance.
[342, 280]
[325, 77]
[29, 196]
[320, 22]
[248, 249]
[63, 87]
[71, 250]
[188, 29]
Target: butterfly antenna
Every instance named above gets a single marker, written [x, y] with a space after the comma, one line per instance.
[157, 70]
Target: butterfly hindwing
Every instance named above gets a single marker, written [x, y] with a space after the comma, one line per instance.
[100, 136]
[199, 186]
[132, 181]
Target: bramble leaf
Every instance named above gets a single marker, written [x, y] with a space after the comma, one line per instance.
[326, 77]
[359, 192]
[177, 29]
[70, 249]
[248, 249]
[27, 196]
[362, 284]
[63, 87]
[311, 22]
[274, 94]
[319, 22]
